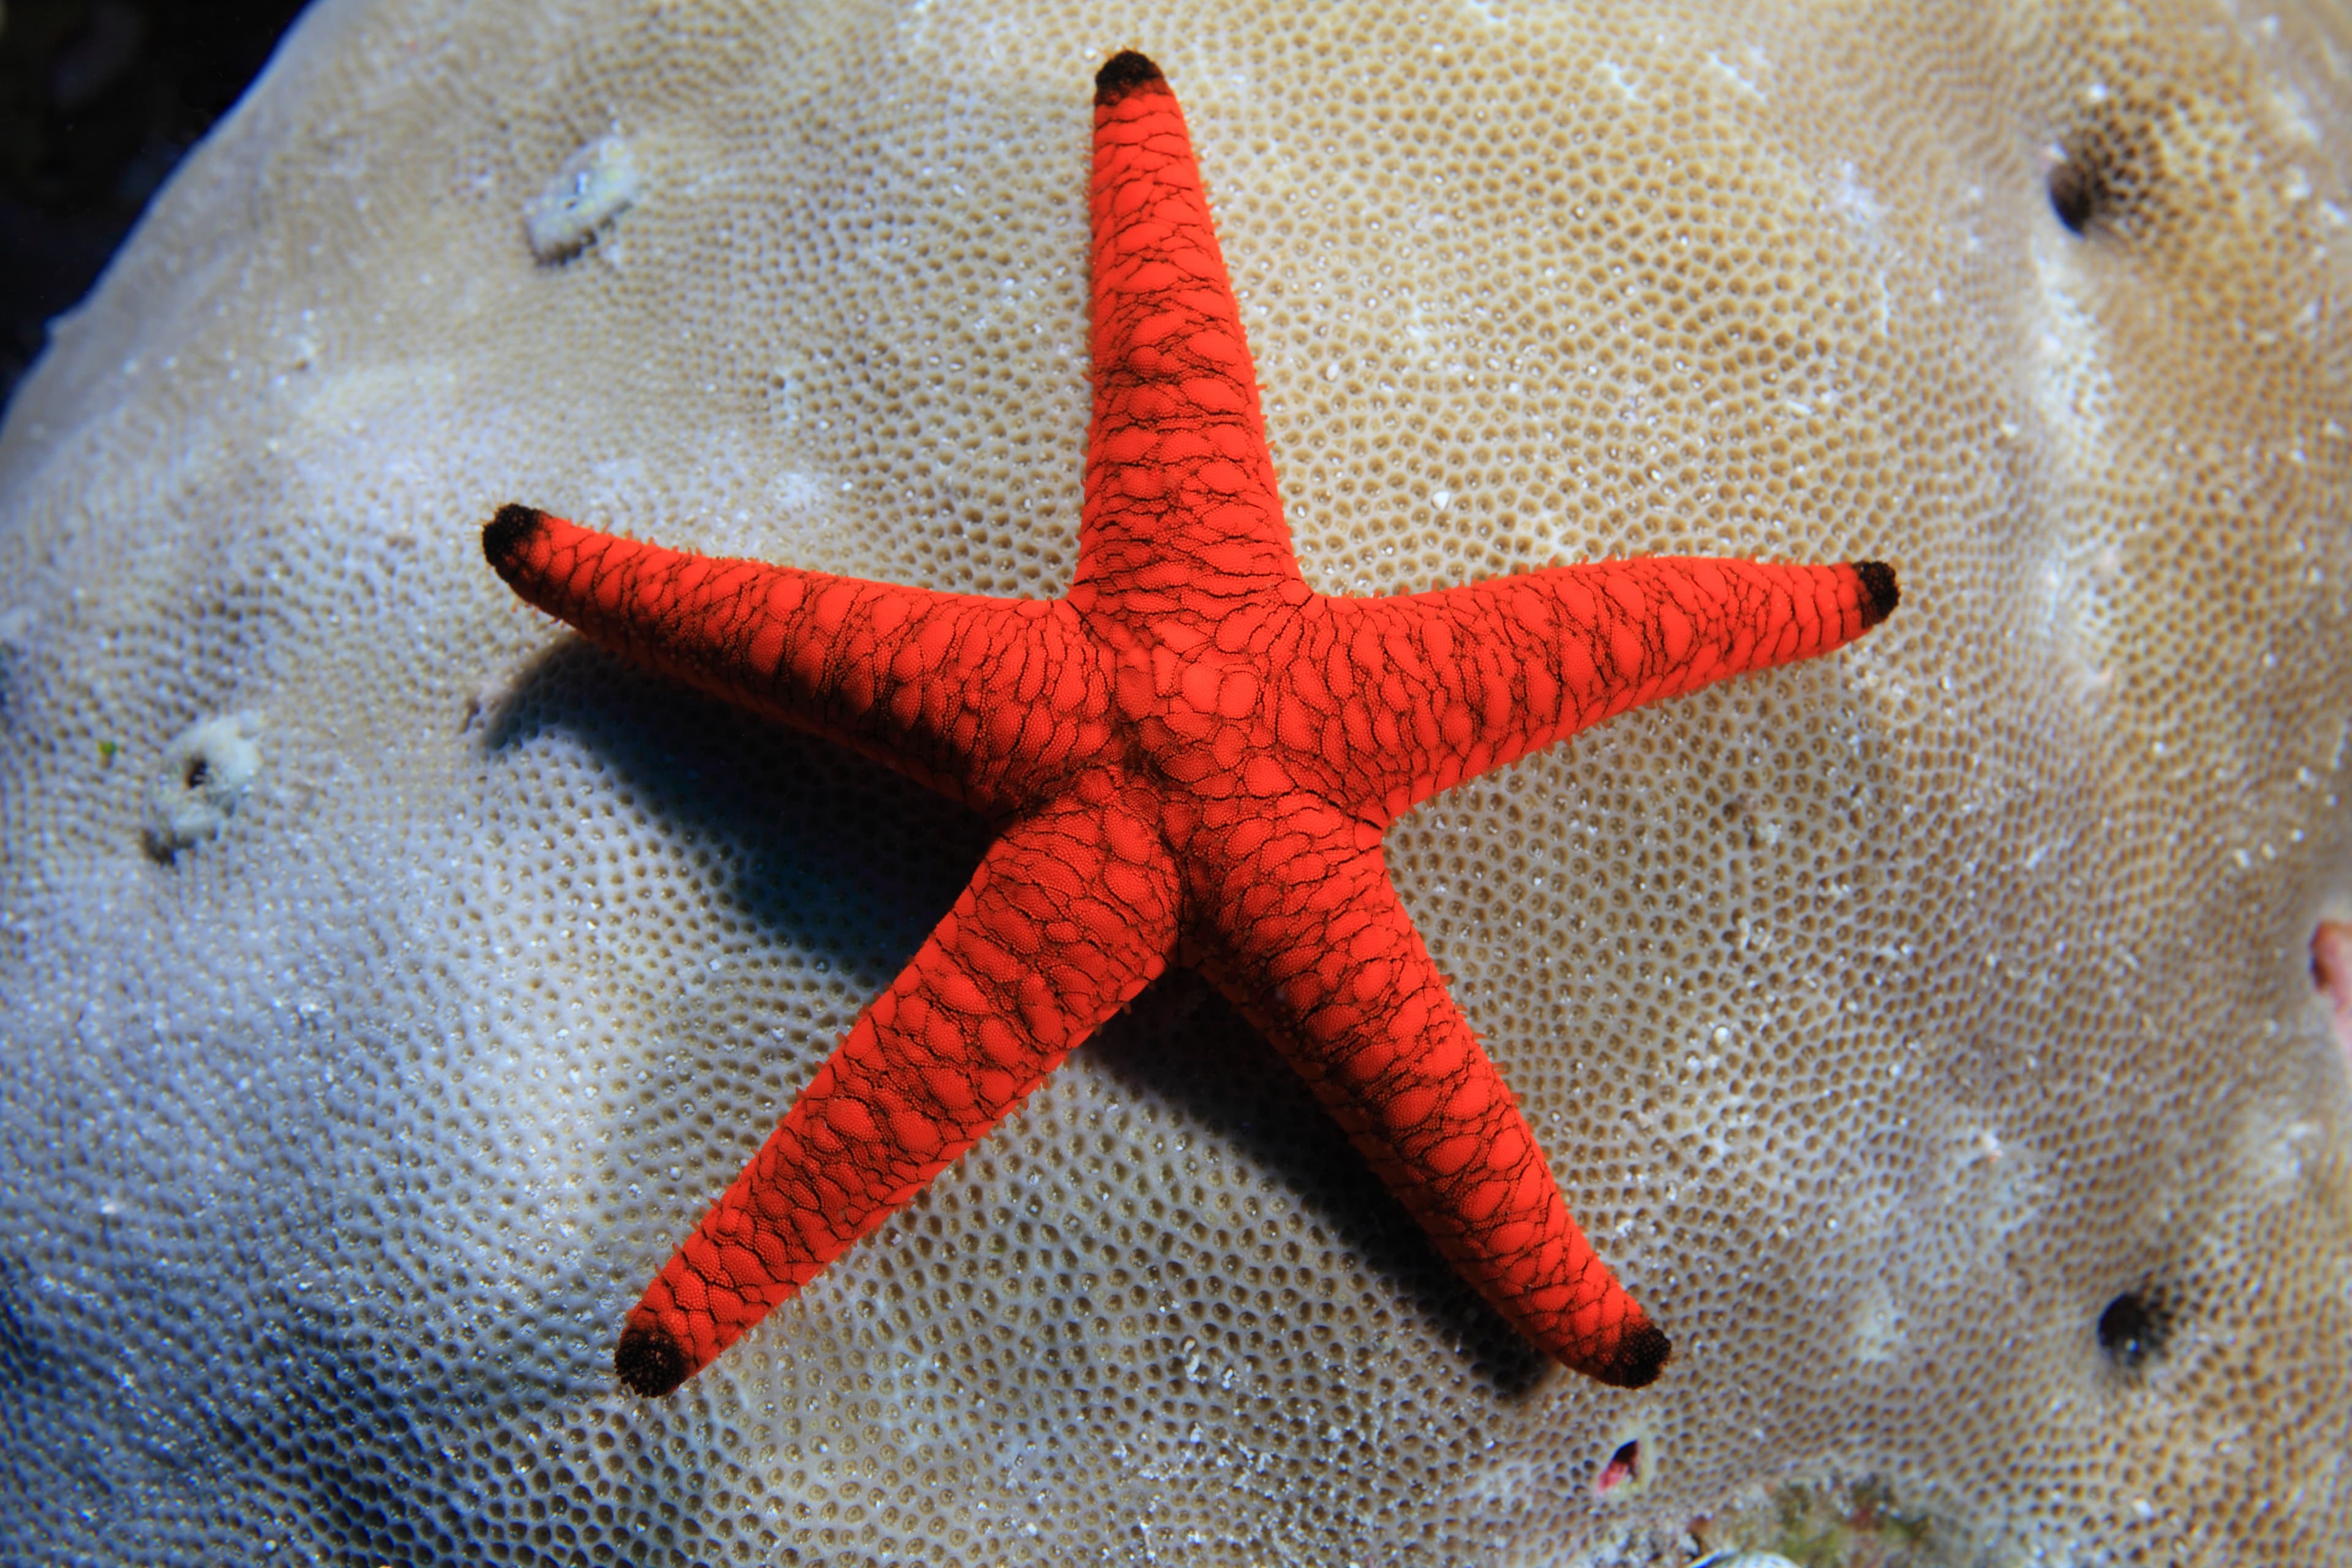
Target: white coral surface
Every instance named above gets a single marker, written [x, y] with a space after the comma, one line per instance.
[1927, 1034]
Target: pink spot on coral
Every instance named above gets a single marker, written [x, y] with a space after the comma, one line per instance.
[1618, 1471]
[2331, 972]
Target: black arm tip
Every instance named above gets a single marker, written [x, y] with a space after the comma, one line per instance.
[1879, 594]
[648, 1362]
[1122, 74]
[507, 535]
[1641, 1355]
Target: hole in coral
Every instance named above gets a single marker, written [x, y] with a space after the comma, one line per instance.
[2078, 189]
[2132, 1328]
[2109, 168]
[1618, 1471]
[198, 772]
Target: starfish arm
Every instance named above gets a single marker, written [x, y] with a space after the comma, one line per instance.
[1312, 944]
[1182, 511]
[983, 699]
[1071, 912]
[1421, 691]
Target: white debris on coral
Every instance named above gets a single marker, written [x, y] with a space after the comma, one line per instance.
[200, 779]
[595, 185]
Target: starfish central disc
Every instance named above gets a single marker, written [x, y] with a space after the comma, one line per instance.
[1191, 753]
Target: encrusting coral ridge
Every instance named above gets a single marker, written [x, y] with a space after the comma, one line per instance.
[1939, 1039]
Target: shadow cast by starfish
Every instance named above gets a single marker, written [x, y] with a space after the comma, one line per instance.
[1222, 1073]
[811, 843]
[832, 857]
[806, 840]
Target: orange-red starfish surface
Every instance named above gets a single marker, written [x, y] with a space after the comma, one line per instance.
[1191, 757]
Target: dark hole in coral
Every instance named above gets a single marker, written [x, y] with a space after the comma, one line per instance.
[2110, 174]
[198, 772]
[1619, 1468]
[2078, 191]
[2132, 1328]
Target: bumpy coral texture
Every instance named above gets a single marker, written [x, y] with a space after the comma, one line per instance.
[1928, 1035]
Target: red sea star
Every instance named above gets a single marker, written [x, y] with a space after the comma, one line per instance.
[1192, 757]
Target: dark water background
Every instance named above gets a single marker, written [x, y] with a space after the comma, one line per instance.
[99, 100]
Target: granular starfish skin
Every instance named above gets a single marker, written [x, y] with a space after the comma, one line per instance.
[1191, 757]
